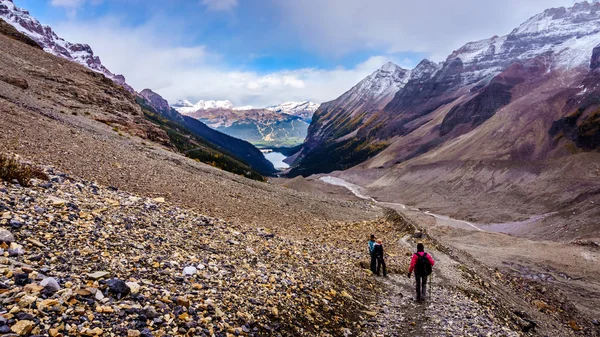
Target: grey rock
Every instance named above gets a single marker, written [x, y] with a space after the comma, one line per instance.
[50, 284]
[189, 270]
[6, 236]
[14, 223]
[98, 275]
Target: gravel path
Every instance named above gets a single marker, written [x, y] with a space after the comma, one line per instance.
[447, 312]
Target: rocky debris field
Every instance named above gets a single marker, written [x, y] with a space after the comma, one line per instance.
[83, 259]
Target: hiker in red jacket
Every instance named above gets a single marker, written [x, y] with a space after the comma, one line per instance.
[421, 263]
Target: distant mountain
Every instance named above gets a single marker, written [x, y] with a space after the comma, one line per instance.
[261, 127]
[416, 111]
[45, 37]
[183, 127]
[185, 107]
[275, 126]
[304, 110]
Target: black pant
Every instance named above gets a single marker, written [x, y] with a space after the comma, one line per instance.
[380, 263]
[421, 287]
[373, 263]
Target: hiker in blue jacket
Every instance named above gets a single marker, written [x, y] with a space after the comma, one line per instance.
[372, 254]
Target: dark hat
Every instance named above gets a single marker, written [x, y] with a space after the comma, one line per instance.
[420, 247]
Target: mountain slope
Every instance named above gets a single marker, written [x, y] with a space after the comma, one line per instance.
[183, 128]
[45, 37]
[54, 87]
[503, 130]
[560, 40]
[335, 123]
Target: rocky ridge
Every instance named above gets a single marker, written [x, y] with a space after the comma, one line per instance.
[52, 43]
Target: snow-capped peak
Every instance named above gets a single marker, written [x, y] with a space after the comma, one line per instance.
[185, 107]
[245, 107]
[375, 91]
[570, 34]
[294, 107]
[52, 43]
[383, 83]
[182, 103]
[304, 109]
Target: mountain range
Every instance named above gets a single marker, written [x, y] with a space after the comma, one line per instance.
[395, 102]
[492, 116]
[118, 216]
[283, 125]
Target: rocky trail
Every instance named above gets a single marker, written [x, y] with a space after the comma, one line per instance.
[485, 286]
[448, 311]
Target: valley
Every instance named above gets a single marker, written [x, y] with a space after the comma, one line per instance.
[284, 125]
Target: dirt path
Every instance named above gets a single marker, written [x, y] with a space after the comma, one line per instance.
[441, 219]
[561, 297]
[448, 311]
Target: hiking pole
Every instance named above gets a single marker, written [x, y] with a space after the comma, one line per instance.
[431, 287]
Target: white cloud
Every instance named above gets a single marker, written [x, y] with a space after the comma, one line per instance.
[148, 60]
[220, 5]
[151, 57]
[434, 27]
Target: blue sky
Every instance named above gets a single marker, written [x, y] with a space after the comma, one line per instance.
[261, 52]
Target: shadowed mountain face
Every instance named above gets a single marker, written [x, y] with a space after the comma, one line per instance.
[436, 103]
[191, 127]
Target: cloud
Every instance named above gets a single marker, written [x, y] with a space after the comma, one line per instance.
[220, 5]
[150, 59]
[434, 27]
[154, 56]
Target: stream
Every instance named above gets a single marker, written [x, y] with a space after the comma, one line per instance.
[440, 219]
